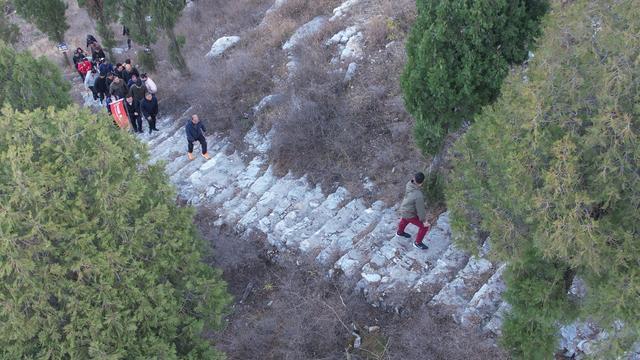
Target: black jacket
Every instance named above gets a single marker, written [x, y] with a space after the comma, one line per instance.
[132, 109]
[149, 107]
[194, 131]
[137, 90]
[77, 58]
[98, 54]
[101, 85]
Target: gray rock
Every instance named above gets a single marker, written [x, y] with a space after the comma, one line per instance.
[351, 72]
[305, 31]
[221, 45]
[343, 36]
[343, 9]
[353, 49]
[268, 101]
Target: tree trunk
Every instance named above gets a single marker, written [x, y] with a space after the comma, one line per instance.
[177, 54]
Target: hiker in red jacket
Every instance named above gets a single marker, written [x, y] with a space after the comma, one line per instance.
[84, 67]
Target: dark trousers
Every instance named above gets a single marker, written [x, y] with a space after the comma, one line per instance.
[422, 230]
[203, 144]
[136, 123]
[94, 92]
[151, 120]
[101, 95]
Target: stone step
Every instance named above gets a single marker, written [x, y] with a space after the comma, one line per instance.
[351, 262]
[401, 266]
[218, 172]
[294, 214]
[188, 167]
[322, 211]
[267, 202]
[218, 194]
[485, 302]
[337, 244]
[214, 146]
[494, 325]
[235, 208]
[176, 161]
[343, 218]
[168, 146]
[443, 271]
[295, 202]
[456, 294]
[167, 132]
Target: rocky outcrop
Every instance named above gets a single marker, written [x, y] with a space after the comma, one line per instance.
[221, 45]
[304, 32]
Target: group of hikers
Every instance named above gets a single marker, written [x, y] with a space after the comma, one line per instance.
[109, 83]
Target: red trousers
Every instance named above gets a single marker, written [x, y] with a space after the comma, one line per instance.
[422, 230]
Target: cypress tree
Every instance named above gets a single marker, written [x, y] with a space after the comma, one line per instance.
[137, 16]
[551, 171]
[47, 15]
[96, 261]
[27, 83]
[165, 14]
[458, 54]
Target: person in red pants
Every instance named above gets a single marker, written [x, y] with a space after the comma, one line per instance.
[412, 211]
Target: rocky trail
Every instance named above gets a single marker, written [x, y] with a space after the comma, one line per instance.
[347, 236]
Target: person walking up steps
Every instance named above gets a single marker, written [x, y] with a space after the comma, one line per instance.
[149, 109]
[90, 83]
[133, 107]
[412, 211]
[195, 132]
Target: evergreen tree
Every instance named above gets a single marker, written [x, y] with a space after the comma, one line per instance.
[137, 16]
[47, 15]
[165, 14]
[458, 54]
[551, 171]
[27, 83]
[97, 260]
[102, 11]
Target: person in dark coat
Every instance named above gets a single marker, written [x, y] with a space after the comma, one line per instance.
[78, 57]
[118, 88]
[133, 107]
[91, 39]
[97, 52]
[125, 32]
[149, 109]
[118, 70]
[104, 67]
[195, 132]
[137, 90]
[101, 88]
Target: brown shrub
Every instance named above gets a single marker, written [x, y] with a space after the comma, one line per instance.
[377, 32]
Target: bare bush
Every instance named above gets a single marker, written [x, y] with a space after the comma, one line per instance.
[377, 31]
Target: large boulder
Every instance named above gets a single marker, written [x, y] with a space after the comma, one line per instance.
[303, 32]
[221, 45]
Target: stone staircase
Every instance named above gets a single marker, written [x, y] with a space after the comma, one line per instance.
[350, 238]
